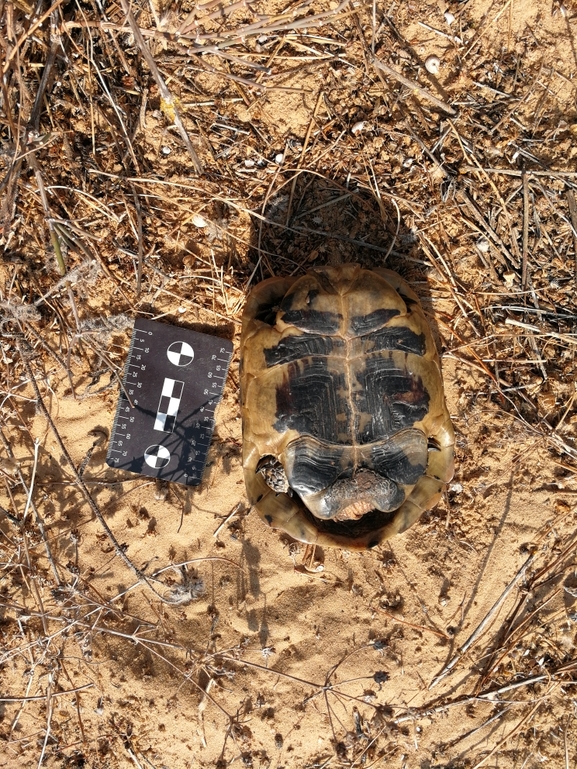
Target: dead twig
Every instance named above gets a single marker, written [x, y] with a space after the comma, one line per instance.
[415, 88]
[483, 624]
[169, 107]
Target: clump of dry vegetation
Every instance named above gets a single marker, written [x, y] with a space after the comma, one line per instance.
[159, 160]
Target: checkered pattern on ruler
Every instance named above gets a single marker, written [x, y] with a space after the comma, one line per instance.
[180, 353]
[157, 457]
[168, 405]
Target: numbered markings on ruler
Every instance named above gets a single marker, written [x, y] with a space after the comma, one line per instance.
[165, 415]
[168, 405]
[157, 457]
[180, 353]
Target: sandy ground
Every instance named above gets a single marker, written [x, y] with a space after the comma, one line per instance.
[259, 652]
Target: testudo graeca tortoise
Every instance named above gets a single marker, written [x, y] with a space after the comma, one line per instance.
[346, 435]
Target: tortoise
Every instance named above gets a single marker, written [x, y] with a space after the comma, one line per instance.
[346, 435]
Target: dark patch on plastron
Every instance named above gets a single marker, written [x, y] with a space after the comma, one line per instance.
[393, 462]
[314, 321]
[395, 398]
[307, 400]
[395, 338]
[365, 324]
[296, 347]
[314, 466]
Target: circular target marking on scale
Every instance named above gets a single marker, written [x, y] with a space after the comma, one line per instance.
[180, 353]
[157, 457]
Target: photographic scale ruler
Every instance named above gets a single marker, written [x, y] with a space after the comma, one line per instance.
[172, 384]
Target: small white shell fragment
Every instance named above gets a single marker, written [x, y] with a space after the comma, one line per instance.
[433, 64]
[166, 150]
[483, 245]
[358, 127]
[248, 163]
[279, 158]
[199, 221]
[449, 18]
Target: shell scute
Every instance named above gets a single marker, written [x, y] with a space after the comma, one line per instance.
[291, 347]
[309, 398]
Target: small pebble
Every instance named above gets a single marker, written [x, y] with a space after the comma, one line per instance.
[279, 158]
[358, 127]
[483, 245]
[166, 150]
[433, 64]
[199, 221]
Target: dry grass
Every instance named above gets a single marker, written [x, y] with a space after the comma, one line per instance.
[162, 160]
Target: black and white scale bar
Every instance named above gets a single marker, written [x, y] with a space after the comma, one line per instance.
[172, 385]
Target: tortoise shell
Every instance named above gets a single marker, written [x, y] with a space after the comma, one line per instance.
[346, 435]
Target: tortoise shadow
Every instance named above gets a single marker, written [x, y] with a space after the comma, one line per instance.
[311, 221]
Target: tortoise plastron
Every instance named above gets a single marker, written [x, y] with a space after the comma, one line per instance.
[346, 435]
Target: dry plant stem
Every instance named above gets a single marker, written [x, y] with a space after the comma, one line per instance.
[456, 290]
[508, 736]
[483, 624]
[34, 125]
[570, 195]
[552, 174]
[410, 624]
[505, 257]
[516, 257]
[30, 503]
[191, 22]
[497, 717]
[87, 496]
[511, 633]
[148, 644]
[229, 517]
[417, 89]
[32, 479]
[525, 232]
[140, 241]
[162, 87]
[311, 125]
[491, 696]
[262, 219]
[279, 23]
[28, 33]
[43, 696]
[54, 236]
[49, 711]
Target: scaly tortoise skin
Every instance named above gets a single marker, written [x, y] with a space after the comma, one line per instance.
[346, 435]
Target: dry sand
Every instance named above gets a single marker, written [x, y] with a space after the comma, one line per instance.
[259, 652]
